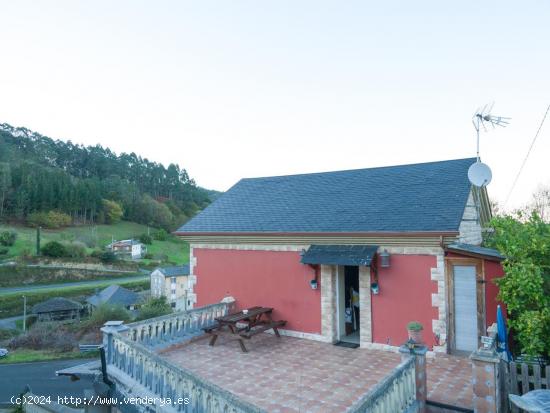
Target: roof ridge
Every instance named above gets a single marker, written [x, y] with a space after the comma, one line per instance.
[358, 169]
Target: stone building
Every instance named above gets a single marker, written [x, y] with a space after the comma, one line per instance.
[172, 283]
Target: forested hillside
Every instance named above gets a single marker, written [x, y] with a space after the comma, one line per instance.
[41, 176]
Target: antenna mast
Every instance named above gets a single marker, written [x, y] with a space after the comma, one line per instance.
[482, 117]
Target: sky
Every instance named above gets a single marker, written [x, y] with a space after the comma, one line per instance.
[233, 89]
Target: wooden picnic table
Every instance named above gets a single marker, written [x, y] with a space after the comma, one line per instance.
[256, 320]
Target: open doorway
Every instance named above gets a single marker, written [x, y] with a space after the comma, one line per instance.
[348, 304]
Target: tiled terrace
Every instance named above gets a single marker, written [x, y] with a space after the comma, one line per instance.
[287, 374]
[450, 380]
[295, 375]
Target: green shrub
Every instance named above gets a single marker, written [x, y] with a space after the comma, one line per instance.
[75, 249]
[146, 239]
[160, 235]
[525, 289]
[7, 238]
[104, 313]
[4, 251]
[154, 307]
[97, 253]
[54, 249]
[46, 336]
[108, 257]
[414, 326]
[51, 219]
[148, 256]
[7, 333]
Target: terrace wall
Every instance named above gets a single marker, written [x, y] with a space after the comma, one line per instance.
[406, 289]
[260, 278]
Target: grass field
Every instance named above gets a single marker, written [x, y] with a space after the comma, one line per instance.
[26, 356]
[176, 251]
[12, 304]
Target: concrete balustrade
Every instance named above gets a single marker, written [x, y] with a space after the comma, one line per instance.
[396, 393]
[172, 328]
[137, 369]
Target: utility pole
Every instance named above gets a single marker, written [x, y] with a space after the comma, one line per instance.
[24, 313]
[38, 240]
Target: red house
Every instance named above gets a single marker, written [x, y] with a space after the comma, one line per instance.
[354, 255]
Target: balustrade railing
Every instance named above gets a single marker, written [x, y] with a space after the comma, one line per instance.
[395, 393]
[176, 326]
[132, 352]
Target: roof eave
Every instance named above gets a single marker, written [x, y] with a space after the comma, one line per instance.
[474, 254]
[328, 234]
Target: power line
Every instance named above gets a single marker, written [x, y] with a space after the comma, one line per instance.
[527, 156]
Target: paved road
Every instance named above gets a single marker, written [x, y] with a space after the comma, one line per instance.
[30, 288]
[9, 323]
[41, 378]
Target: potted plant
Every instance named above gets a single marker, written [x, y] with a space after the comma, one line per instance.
[414, 328]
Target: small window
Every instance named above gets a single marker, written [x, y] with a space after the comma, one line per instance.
[173, 305]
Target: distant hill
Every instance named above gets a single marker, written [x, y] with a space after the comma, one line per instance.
[91, 183]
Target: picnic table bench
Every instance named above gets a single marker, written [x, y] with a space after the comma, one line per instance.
[253, 321]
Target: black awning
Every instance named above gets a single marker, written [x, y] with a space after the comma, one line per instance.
[340, 254]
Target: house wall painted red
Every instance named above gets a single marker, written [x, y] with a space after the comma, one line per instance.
[493, 270]
[405, 295]
[260, 278]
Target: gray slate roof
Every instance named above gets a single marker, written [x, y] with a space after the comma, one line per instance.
[114, 295]
[56, 304]
[476, 250]
[339, 254]
[407, 198]
[174, 271]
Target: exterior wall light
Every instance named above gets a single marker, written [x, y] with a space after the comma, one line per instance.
[313, 284]
[384, 259]
[375, 288]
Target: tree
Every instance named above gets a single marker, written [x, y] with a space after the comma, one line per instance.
[525, 289]
[54, 249]
[5, 185]
[160, 235]
[51, 219]
[153, 213]
[540, 203]
[41, 174]
[7, 238]
[113, 211]
[154, 307]
[146, 239]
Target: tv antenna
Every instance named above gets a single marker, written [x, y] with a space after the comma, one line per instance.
[479, 173]
[483, 118]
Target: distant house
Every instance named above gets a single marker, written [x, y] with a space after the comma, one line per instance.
[128, 247]
[115, 295]
[57, 309]
[172, 283]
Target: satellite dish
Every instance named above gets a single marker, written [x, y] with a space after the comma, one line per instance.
[480, 174]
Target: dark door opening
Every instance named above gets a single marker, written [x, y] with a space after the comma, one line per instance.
[351, 304]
